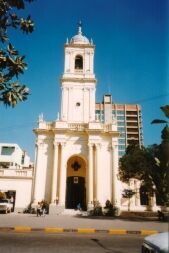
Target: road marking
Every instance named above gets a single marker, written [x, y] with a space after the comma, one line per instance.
[148, 232]
[54, 230]
[117, 231]
[22, 229]
[79, 230]
[86, 230]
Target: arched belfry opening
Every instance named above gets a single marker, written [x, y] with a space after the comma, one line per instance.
[78, 62]
[76, 183]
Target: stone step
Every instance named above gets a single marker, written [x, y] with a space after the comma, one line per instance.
[55, 209]
[71, 212]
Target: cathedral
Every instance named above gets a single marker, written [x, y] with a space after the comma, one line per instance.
[77, 154]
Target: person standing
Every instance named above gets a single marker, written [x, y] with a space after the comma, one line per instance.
[39, 209]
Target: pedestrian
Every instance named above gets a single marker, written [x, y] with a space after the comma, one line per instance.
[43, 207]
[79, 207]
[39, 209]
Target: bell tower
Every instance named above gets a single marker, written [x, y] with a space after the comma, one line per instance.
[78, 83]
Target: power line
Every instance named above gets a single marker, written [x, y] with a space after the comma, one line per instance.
[150, 98]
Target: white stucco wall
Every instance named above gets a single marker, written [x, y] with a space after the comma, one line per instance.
[23, 188]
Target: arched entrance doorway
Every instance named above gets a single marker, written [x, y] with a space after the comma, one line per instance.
[76, 183]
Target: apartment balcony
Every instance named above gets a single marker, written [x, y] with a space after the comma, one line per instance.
[18, 173]
[8, 158]
[11, 173]
[132, 119]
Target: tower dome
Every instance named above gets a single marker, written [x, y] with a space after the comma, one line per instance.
[79, 38]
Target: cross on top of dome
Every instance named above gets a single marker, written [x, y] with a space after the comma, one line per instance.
[80, 27]
[79, 38]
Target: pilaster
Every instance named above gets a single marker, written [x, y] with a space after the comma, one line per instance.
[90, 177]
[115, 183]
[62, 190]
[38, 173]
[98, 173]
[55, 173]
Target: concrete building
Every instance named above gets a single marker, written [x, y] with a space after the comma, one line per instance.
[16, 175]
[129, 121]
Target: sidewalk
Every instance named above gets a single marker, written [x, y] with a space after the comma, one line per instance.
[72, 223]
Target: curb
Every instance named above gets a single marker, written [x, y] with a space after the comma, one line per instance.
[79, 230]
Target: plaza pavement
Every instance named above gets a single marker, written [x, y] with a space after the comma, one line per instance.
[76, 223]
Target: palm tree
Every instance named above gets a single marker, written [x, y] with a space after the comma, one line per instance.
[162, 161]
[165, 110]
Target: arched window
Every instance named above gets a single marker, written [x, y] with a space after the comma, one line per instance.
[143, 195]
[79, 62]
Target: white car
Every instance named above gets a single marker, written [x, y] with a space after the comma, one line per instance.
[158, 243]
[5, 205]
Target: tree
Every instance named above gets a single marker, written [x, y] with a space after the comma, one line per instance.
[135, 164]
[12, 64]
[162, 158]
[149, 165]
[165, 110]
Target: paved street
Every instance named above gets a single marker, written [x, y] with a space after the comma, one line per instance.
[73, 222]
[65, 243]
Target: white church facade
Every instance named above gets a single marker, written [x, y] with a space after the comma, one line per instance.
[77, 154]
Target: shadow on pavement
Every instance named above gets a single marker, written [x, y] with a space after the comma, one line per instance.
[132, 218]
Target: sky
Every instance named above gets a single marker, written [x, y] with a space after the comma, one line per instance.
[131, 60]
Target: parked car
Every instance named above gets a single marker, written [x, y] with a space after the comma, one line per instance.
[5, 205]
[157, 243]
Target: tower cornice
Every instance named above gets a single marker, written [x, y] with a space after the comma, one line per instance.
[78, 80]
[79, 46]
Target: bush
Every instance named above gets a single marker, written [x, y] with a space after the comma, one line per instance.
[2, 195]
[110, 210]
[97, 211]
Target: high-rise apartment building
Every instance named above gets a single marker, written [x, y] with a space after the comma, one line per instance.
[129, 121]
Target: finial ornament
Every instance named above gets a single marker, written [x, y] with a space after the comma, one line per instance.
[80, 27]
[58, 116]
[40, 118]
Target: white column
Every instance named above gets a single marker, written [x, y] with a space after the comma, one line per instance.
[69, 117]
[85, 105]
[111, 172]
[37, 184]
[90, 177]
[115, 184]
[98, 174]
[90, 105]
[62, 190]
[55, 173]
[62, 101]
[92, 62]
[67, 61]
[89, 63]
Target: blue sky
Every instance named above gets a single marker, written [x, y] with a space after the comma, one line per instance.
[131, 60]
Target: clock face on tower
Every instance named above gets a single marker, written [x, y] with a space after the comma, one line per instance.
[107, 99]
